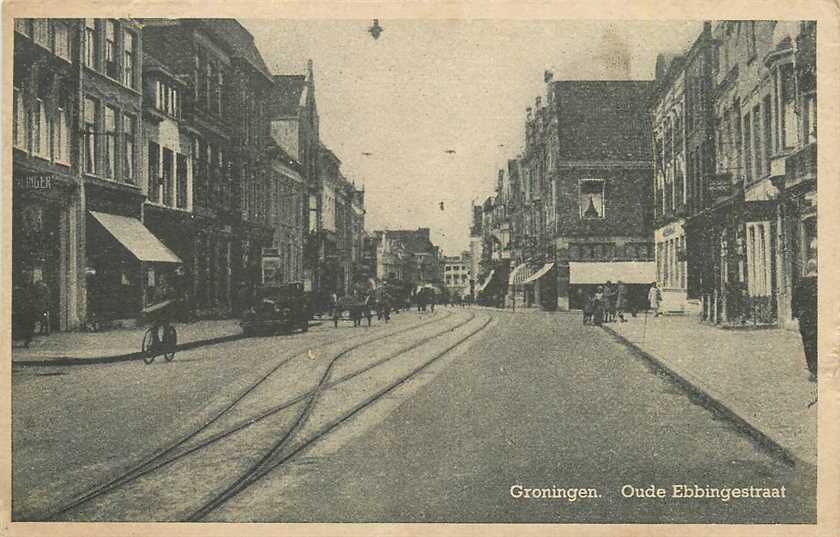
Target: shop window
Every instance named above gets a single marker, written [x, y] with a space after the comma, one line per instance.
[91, 44]
[129, 67]
[154, 172]
[591, 198]
[61, 36]
[110, 142]
[129, 133]
[182, 182]
[91, 151]
[111, 67]
[758, 259]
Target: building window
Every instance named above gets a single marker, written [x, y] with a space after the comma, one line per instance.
[129, 130]
[166, 99]
[91, 119]
[756, 131]
[768, 133]
[40, 130]
[61, 137]
[110, 142]
[20, 127]
[790, 136]
[219, 91]
[168, 163]
[748, 163]
[750, 40]
[197, 83]
[198, 176]
[809, 114]
[154, 172]
[182, 183]
[111, 48]
[128, 59]
[41, 32]
[90, 43]
[591, 198]
[210, 82]
[61, 35]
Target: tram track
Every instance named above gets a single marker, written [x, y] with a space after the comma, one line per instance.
[275, 457]
[151, 462]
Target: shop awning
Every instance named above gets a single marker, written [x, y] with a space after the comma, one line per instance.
[518, 274]
[539, 274]
[136, 238]
[600, 273]
[486, 282]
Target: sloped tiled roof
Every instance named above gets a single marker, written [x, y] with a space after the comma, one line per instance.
[240, 41]
[288, 93]
[603, 120]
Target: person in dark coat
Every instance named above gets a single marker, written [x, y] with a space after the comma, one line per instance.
[598, 306]
[41, 306]
[804, 305]
[621, 301]
[24, 315]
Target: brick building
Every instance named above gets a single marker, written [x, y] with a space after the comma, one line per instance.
[596, 177]
[48, 217]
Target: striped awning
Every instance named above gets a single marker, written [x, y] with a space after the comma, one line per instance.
[518, 274]
[486, 282]
[634, 272]
[538, 274]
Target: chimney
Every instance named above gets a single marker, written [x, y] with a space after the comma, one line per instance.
[548, 76]
[538, 103]
[528, 115]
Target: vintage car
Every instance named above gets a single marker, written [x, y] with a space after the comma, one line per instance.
[276, 308]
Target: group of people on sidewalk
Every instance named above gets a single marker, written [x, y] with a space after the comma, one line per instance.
[607, 304]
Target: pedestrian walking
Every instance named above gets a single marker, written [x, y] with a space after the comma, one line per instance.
[621, 301]
[598, 306]
[41, 306]
[655, 298]
[610, 300]
[588, 306]
[804, 305]
[385, 307]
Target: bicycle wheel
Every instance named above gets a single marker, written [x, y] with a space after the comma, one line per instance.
[149, 347]
[170, 343]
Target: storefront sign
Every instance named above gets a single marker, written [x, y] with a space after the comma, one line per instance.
[34, 182]
[719, 186]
